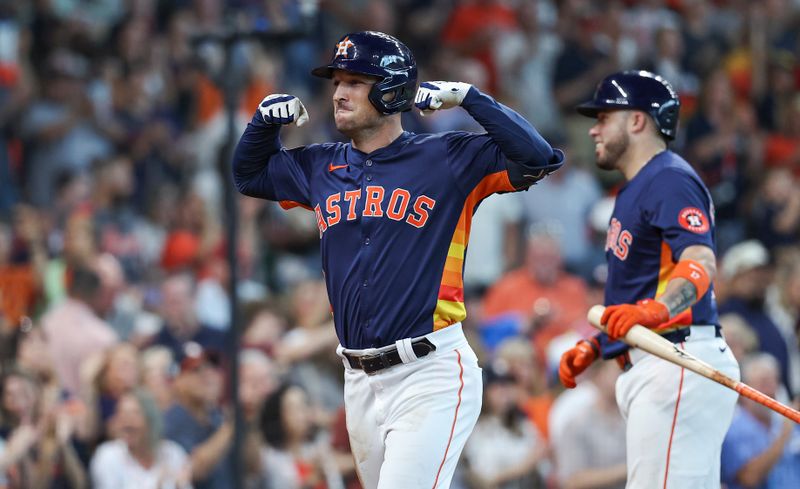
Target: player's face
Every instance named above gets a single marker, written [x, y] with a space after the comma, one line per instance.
[352, 110]
[610, 138]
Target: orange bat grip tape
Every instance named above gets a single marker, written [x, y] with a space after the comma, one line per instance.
[771, 403]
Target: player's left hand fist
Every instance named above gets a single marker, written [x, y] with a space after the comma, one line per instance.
[437, 95]
[577, 359]
[282, 109]
[619, 319]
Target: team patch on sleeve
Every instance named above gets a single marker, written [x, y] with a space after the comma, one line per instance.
[693, 219]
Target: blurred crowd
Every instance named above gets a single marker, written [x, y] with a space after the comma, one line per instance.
[114, 288]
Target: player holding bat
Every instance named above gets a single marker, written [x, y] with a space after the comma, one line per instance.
[661, 262]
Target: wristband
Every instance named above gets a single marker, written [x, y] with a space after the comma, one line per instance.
[695, 273]
[594, 344]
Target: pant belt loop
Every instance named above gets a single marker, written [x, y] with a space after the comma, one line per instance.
[345, 360]
[405, 350]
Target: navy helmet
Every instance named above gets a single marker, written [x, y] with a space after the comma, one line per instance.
[380, 55]
[637, 90]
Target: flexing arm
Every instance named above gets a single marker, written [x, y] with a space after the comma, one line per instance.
[250, 169]
[516, 137]
[261, 142]
[531, 158]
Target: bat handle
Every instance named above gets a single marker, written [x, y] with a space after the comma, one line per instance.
[750, 393]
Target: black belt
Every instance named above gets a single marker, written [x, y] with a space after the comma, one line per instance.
[680, 335]
[677, 336]
[389, 358]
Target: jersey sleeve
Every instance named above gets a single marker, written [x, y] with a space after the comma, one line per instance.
[680, 207]
[475, 159]
[263, 168]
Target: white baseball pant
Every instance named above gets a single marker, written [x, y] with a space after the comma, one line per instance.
[409, 423]
[675, 419]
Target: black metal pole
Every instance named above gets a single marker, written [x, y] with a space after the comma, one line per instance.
[230, 86]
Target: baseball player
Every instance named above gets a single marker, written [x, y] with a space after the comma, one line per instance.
[661, 263]
[393, 210]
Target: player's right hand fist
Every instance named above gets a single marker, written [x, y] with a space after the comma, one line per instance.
[282, 109]
[576, 360]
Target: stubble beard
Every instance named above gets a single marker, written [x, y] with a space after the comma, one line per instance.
[360, 127]
[614, 150]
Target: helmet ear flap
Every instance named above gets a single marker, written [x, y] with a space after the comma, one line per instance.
[400, 86]
[667, 118]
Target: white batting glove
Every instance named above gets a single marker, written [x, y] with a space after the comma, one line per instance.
[437, 95]
[283, 109]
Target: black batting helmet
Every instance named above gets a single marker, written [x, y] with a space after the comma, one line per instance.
[637, 90]
[381, 55]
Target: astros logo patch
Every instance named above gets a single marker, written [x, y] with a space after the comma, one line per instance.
[343, 46]
[693, 219]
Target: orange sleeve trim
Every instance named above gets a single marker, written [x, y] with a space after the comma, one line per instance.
[290, 204]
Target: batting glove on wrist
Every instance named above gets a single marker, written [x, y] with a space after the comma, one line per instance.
[619, 319]
[577, 359]
[439, 95]
[283, 109]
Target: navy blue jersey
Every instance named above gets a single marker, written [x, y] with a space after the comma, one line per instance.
[659, 213]
[394, 224]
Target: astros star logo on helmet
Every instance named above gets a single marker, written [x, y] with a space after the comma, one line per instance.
[342, 47]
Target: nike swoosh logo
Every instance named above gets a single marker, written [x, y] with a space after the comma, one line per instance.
[722, 349]
[332, 167]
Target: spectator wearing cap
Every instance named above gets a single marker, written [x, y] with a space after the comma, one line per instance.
[505, 448]
[747, 276]
[196, 420]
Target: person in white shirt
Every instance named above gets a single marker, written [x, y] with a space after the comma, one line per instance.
[138, 457]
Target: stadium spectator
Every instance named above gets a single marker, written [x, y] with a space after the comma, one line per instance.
[505, 449]
[746, 271]
[760, 449]
[782, 304]
[196, 421]
[139, 456]
[180, 322]
[292, 457]
[590, 451]
[38, 436]
[112, 134]
[73, 329]
[546, 298]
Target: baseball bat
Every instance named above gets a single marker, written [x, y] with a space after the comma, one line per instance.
[655, 344]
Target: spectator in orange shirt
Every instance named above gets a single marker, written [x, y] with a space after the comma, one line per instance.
[547, 299]
[22, 256]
